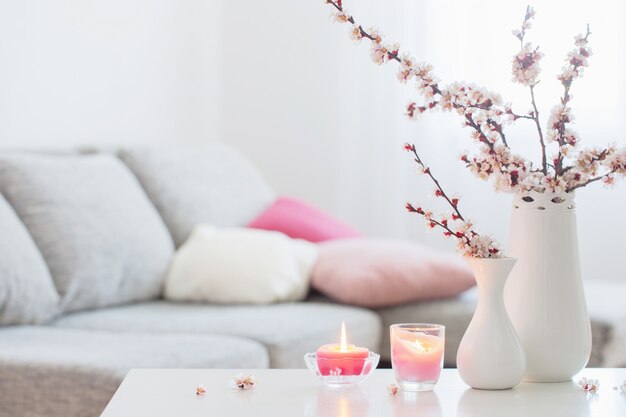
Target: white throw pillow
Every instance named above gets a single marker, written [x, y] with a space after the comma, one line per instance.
[238, 265]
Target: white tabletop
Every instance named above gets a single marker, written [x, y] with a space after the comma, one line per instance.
[292, 393]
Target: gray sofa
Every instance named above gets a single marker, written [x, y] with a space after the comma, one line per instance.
[85, 242]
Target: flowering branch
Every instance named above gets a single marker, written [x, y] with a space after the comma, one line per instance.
[605, 177]
[468, 240]
[486, 114]
[483, 111]
[526, 71]
[471, 99]
[453, 202]
[576, 61]
[544, 158]
[358, 32]
[432, 222]
[519, 34]
[591, 161]
[498, 128]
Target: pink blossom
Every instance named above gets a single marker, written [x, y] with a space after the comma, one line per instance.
[355, 33]
[406, 71]
[589, 384]
[525, 65]
[340, 17]
[378, 53]
[393, 389]
[576, 60]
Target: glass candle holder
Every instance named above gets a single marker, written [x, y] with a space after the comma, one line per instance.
[342, 372]
[417, 354]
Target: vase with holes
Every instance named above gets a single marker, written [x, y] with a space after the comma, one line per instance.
[490, 355]
[544, 295]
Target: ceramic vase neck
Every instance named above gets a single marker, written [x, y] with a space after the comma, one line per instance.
[491, 275]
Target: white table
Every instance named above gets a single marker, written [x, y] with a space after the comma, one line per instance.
[293, 393]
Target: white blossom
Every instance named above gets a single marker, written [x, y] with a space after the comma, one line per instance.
[525, 65]
[340, 17]
[243, 382]
[355, 33]
[378, 53]
[589, 384]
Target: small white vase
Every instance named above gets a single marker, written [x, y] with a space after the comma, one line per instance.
[490, 355]
[544, 295]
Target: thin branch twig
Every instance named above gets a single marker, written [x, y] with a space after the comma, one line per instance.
[427, 171]
[544, 160]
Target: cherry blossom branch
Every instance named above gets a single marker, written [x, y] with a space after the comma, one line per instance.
[482, 110]
[469, 121]
[468, 240]
[577, 63]
[577, 59]
[535, 117]
[453, 202]
[486, 115]
[520, 116]
[482, 136]
[594, 179]
[498, 128]
[589, 159]
[382, 54]
[362, 33]
[432, 223]
[521, 33]
[526, 71]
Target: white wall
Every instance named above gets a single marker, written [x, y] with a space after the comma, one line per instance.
[280, 81]
[107, 72]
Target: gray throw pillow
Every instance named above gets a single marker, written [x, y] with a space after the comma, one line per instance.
[27, 293]
[102, 239]
[191, 185]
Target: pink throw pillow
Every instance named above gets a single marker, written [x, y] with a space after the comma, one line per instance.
[377, 273]
[299, 220]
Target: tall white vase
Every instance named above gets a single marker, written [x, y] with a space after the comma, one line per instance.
[544, 295]
[490, 355]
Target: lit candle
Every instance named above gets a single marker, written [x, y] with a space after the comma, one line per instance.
[341, 359]
[417, 356]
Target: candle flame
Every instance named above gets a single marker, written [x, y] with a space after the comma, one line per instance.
[420, 346]
[344, 342]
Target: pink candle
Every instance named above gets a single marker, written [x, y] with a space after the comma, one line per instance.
[341, 359]
[417, 356]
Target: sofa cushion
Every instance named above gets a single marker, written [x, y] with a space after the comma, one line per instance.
[288, 330]
[300, 220]
[240, 265]
[27, 293]
[102, 239]
[383, 272]
[56, 372]
[210, 184]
